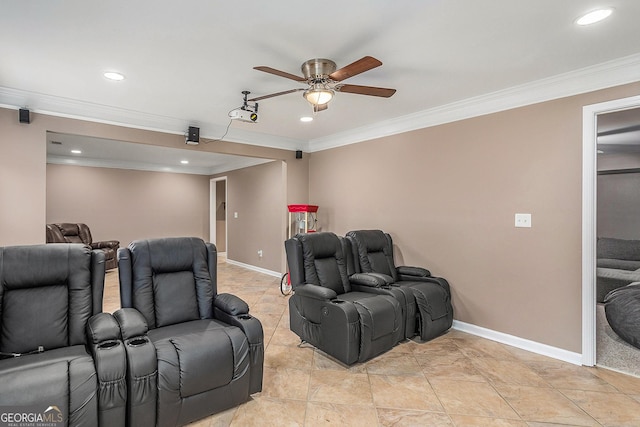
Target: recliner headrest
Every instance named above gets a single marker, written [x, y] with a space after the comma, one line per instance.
[170, 254]
[324, 262]
[372, 240]
[321, 245]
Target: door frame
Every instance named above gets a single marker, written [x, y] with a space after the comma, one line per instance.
[213, 211]
[589, 224]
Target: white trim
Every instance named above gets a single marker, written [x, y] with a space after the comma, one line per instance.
[607, 74]
[513, 341]
[588, 236]
[213, 211]
[81, 110]
[589, 220]
[254, 268]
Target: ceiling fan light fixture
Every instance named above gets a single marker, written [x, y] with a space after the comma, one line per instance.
[318, 94]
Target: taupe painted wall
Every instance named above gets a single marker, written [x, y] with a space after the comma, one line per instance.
[448, 195]
[297, 183]
[261, 191]
[258, 196]
[22, 178]
[23, 173]
[126, 205]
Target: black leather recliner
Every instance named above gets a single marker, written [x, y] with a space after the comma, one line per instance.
[378, 284]
[61, 357]
[192, 352]
[324, 310]
[373, 253]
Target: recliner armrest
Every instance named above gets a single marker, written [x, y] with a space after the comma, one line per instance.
[107, 244]
[375, 280]
[234, 311]
[315, 292]
[131, 322]
[142, 368]
[109, 357]
[230, 304]
[102, 327]
[413, 271]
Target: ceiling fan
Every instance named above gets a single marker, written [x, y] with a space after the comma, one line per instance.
[324, 81]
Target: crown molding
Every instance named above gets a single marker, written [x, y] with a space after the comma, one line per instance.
[607, 74]
[82, 110]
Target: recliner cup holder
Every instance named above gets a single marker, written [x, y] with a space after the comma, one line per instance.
[245, 316]
[108, 345]
[137, 342]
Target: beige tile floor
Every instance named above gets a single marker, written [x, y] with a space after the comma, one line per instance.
[455, 380]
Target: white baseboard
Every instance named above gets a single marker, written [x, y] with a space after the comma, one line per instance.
[254, 268]
[524, 344]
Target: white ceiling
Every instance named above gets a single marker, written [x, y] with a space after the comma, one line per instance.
[186, 63]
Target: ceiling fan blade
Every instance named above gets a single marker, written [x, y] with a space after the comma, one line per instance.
[367, 90]
[280, 73]
[360, 66]
[320, 107]
[260, 98]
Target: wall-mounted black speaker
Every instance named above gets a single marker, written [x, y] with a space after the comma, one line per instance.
[298, 154]
[24, 116]
[194, 134]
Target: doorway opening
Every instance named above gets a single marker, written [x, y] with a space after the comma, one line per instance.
[589, 218]
[218, 214]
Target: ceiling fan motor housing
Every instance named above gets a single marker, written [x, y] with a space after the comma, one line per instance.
[318, 68]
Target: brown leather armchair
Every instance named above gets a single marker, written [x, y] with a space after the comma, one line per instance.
[79, 233]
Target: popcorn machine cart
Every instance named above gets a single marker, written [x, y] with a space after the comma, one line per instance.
[302, 219]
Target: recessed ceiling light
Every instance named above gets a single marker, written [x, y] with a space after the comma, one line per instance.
[76, 151]
[594, 16]
[306, 119]
[112, 75]
[184, 162]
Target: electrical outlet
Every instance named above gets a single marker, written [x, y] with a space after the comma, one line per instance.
[235, 214]
[260, 253]
[523, 220]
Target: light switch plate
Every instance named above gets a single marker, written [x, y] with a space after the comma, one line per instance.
[523, 220]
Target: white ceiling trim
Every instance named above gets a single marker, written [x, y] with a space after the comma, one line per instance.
[81, 110]
[608, 74]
